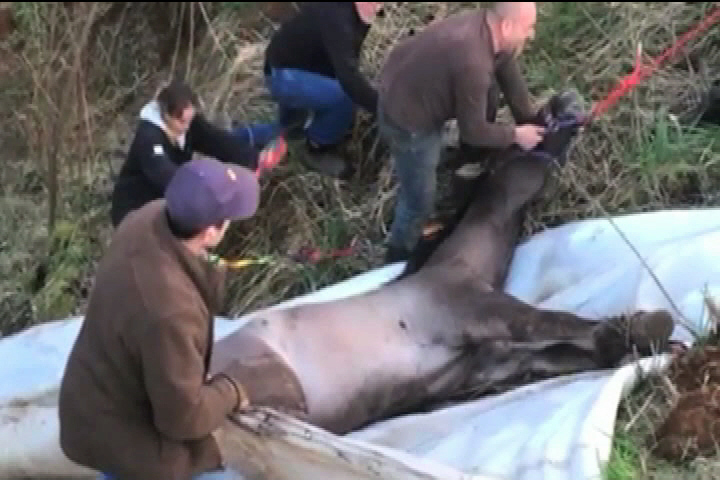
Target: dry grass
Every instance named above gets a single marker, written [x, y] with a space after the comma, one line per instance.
[636, 157]
[643, 154]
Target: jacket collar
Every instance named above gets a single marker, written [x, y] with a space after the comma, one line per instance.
[151, 113]
[208, 278]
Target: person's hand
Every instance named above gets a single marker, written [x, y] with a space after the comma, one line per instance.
[276, 388]
[271, 155]
[528, 136]
[242, 400]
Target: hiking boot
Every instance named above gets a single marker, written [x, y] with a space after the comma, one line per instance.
[328, 161]
[648, 332]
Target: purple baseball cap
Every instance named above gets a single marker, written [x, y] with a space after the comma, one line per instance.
[205, 192]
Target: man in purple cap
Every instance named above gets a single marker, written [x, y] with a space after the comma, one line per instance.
[136, 400]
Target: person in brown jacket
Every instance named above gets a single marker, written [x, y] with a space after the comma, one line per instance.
[453, 69]
[136, 400]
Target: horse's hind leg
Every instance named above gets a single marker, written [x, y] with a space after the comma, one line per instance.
[607, 341]
[560, 343]
[514, 364]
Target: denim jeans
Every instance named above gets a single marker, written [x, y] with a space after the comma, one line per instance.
[416, 157]
[297, 92]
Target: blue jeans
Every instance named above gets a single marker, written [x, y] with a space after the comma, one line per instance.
[297, 92]
[416, 157]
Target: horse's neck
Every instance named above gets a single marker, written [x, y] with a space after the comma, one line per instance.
[483, 241]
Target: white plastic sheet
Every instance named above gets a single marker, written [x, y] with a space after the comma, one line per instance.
[557, 429]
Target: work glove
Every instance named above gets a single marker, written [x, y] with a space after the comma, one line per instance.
[271, 155]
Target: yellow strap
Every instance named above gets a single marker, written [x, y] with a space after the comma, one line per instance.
[245, 262]
[240, 263]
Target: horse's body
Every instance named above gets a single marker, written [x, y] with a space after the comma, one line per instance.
[441, 333]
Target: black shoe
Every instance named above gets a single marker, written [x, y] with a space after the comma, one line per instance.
[328, 161]
[296, 122]
[396, 255]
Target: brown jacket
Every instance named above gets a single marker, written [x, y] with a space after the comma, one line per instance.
[446, 72]
[134, 400]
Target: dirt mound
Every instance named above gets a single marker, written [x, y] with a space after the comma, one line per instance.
[692, 427]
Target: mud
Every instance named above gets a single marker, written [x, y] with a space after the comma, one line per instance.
[692, 427]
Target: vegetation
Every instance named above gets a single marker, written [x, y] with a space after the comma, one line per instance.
[73, 77]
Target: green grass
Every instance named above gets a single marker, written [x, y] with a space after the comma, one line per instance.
[624, 459]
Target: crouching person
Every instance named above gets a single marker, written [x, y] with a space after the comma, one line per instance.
[137, 401]
[312, 69]
[170, 130]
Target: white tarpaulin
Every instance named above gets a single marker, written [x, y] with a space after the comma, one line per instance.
[557, 429]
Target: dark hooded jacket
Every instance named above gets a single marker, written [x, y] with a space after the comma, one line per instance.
[325, 38]
[153, 158]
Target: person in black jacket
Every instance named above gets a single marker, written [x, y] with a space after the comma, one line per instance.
[312, 72]
[170, 130]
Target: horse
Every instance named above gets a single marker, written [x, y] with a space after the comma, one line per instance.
[445, 331]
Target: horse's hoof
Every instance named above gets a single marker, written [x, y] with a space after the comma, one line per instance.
[650, 331]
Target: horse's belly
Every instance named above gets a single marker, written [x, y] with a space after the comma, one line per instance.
[358, 359]
[349, 390]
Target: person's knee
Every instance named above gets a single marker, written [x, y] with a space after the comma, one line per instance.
[330, 125]
[346, 105]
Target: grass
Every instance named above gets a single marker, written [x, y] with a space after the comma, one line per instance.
[624, 459]
[645, 153]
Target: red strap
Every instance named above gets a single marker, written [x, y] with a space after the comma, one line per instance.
[641, 72]
[313, 255]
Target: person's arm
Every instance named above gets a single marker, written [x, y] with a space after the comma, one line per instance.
[337, 35]
[155, 164]
[471, 93]
[216, 142]
[185, 404]
[513, 85]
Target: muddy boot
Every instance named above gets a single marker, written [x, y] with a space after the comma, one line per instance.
[328, 161]
[648, 332]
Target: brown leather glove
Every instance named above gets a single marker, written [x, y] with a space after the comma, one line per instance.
[259, 373]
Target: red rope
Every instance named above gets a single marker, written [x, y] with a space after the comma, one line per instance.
[641, 72]
[313, 255]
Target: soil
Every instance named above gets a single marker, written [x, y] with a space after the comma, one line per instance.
[692, 427]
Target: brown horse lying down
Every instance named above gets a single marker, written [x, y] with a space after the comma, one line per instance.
[445, 332]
